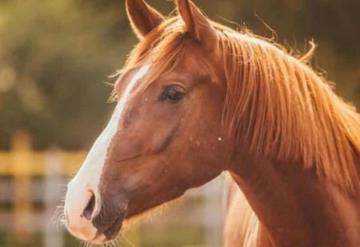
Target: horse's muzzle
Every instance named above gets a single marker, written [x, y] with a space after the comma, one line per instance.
[109, 226]
[80, 205]
[109, 220]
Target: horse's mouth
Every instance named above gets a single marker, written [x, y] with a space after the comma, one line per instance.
[109, 232]
[114, 229]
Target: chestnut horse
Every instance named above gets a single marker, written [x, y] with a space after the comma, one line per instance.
[195, 99]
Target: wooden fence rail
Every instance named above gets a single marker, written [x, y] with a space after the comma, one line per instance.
[22, 161]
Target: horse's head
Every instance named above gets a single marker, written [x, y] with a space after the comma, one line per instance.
[165, 134]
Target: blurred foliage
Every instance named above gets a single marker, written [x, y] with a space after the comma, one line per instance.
[54, 59]
[55, 56]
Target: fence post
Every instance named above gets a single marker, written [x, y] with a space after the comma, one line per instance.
[54, 185]
[21, 170]
[213, 215]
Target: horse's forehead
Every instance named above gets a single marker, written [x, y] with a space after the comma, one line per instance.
[190, 62]
[199, 62]
[130, 76]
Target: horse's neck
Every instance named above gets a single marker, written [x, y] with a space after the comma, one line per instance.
[295, 207]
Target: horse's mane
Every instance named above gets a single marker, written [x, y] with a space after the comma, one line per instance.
[274, 101]
[287, 111]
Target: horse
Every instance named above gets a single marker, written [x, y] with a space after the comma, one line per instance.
[197, 98]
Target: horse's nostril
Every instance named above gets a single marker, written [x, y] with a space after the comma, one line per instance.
[89, 209]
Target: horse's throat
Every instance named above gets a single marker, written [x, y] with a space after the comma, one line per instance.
[295, 207]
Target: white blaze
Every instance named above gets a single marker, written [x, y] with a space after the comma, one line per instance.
[88, 177]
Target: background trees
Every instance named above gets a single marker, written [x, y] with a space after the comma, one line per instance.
[56, 55]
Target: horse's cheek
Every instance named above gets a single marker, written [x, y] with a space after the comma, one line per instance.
[125, 147]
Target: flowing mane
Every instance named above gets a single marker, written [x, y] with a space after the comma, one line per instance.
[287, 111]
[274, 101]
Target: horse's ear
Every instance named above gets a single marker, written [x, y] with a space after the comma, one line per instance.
[196, 23]
[143, 17]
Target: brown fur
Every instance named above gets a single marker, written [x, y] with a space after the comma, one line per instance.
[284, 108]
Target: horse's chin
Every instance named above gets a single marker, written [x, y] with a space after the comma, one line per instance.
[99, 240]
[108, 227]
[111, 231]
[108, 236]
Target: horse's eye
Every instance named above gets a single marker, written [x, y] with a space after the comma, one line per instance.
[172, 94]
